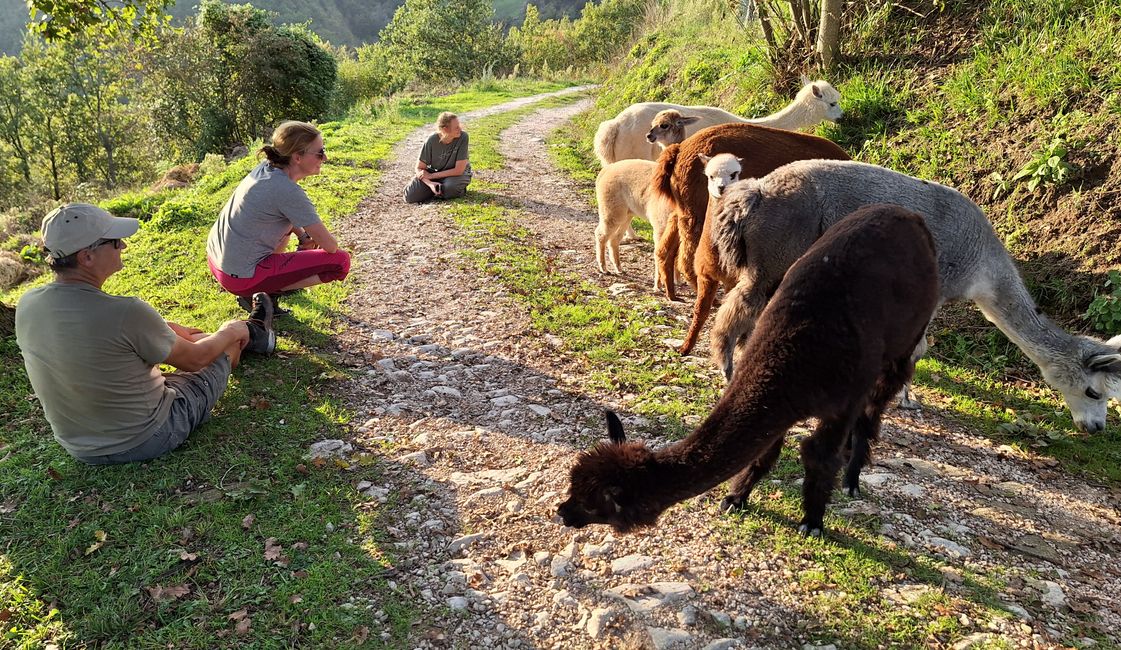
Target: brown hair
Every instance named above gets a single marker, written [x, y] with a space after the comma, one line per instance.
[444, 120]
[289, 138]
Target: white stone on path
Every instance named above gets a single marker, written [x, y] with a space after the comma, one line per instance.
[598, 621]
[543, 411]
[720, 644]
[559, 566]
[463, 542]
[505, 400]
[458, 603]
[447, 391]
[953, 548]
[913, 491]
[630, 563]
[329, 449]
[418, 458]
[642, 599]
[667, 638]
[1052, 593]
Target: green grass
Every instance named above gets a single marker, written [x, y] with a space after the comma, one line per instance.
[246, 461]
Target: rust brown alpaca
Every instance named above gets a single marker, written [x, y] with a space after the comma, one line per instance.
[679, 176]
[834, 343]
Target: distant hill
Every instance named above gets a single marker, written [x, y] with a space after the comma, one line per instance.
[341, 22]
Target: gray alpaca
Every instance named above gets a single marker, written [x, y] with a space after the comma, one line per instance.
[762, 225]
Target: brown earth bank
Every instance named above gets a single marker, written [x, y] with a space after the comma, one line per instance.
[480, 416]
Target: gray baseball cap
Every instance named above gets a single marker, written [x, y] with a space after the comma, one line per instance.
[74, 226]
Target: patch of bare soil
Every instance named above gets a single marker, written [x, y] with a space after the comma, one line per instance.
[481, 417]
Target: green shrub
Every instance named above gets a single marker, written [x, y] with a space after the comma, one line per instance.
[1104, 312]
[136, 205]
[176, 215]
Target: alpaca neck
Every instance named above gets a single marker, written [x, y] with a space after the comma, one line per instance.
[730, 439]
[796, 115]
[1010, 307]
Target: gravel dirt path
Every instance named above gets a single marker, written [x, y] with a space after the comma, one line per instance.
[479, 418]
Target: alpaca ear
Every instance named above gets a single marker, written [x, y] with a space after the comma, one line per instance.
[739, 160]
[1104, 363]
[614, 428]
[684, 121]
[804, 79]
[1114, 343]
[817, 91]
[704, 158]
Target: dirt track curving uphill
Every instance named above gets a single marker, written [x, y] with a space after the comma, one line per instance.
[482, 416]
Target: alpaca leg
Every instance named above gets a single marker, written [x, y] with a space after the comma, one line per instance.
[821, 461]
[744, 482]
[601, 244]
[735, 321]
[867, 427]
[665, 253]
[706, 291]
[630, 235]
[907, 400]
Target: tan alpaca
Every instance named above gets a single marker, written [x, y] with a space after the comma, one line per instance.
[623, 189]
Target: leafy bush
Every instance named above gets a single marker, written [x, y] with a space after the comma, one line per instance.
[212, 164]
[136, 205]
[1104, 312]
[176, 215]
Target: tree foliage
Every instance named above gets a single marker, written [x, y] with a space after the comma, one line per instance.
[230, 76]
[440, 40]
[62, 20]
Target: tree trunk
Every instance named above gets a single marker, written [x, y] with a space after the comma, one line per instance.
[829, 33]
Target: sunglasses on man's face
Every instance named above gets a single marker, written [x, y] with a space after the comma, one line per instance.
[101, 242]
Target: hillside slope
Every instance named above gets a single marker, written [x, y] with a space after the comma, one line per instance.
[966, 98]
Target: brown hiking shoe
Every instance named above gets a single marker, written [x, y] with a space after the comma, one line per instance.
[262, 338]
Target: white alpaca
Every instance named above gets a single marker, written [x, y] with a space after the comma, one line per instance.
[722, 170]
[627, 136]
[622, 189]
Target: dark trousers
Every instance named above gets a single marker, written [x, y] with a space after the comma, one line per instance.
[451, 187]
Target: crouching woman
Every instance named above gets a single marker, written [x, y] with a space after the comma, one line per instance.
[442, 170]
[246, 248]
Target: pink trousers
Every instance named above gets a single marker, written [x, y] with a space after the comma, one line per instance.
[280, 270]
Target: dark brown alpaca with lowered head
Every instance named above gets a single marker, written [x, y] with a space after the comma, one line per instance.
[834, 343]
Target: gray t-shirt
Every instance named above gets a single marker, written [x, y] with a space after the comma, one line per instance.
[263, 209]
[442, 157]
[93, 360]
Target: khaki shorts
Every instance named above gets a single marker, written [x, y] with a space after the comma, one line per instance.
[196, 395]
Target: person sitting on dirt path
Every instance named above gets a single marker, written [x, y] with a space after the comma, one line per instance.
[246, 248]
[442, 171]
[93, 358]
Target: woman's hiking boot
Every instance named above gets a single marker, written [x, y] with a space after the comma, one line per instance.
[262, 338]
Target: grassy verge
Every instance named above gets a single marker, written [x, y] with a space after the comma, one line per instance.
[845, 586]
[970, 112]
[234, 539]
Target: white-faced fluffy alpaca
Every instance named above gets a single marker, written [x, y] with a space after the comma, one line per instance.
[622, 189]
[722, 170]
[626, 135]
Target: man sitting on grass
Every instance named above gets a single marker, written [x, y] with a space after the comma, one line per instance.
[93, 358]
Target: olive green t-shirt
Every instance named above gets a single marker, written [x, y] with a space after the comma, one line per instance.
[93, 360]
[442, 157]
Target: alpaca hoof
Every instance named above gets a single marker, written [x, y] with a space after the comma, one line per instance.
[907, 402]
[732, 504]
[853, 491]
[807, 531]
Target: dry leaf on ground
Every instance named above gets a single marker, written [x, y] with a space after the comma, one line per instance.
[164, 594]
[100, 536]
[247, 522]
